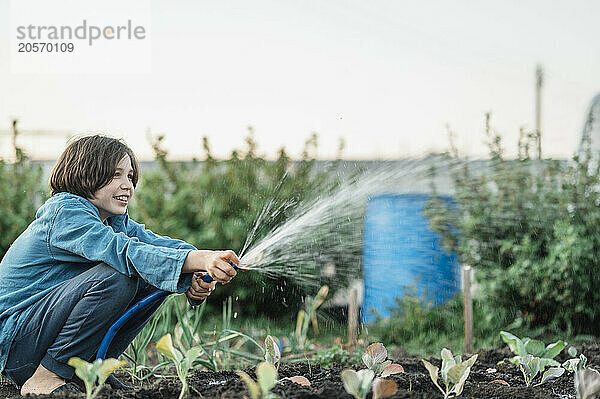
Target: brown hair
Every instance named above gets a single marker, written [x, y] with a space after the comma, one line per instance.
[88, 164]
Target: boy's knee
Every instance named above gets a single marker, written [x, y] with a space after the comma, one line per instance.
[115, 283]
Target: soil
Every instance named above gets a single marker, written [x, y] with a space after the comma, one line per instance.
[326, 383]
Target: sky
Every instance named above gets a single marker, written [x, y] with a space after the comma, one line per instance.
[386, 76]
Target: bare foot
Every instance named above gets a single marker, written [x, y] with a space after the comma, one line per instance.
[41, 382]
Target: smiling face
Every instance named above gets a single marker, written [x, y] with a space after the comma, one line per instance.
[112, 199]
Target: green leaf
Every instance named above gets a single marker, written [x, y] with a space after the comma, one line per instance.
[551, 373]
[266, 376]
[570, 364]
[535, 347]
[552, 350]
[85, 371]
[572, 351]
[107, 367]
[272, 353]
[253, 388]
[366, 379]
[190, 356]
[448, 361]
[511, 341]
[351, 382]
[433, 374]
[165, 346]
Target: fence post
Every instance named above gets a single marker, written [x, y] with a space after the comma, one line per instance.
[468, 309]
[353, 318]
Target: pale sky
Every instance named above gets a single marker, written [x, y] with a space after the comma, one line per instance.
[387, 76]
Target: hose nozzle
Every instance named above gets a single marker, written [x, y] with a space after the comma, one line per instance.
[208, 279]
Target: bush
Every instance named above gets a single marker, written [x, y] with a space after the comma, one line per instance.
[214, 204]
[530, 228]
[21, 193]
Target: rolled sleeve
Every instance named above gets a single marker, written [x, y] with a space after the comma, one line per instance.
[77, 232]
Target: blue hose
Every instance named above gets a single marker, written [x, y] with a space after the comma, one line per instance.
[155, 296]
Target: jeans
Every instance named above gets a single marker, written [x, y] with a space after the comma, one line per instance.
[72, 320]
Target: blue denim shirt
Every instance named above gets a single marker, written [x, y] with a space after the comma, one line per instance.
[67, 238]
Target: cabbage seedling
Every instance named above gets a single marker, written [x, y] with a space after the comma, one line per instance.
[272, 352]
[531, 366]
[182, 363]
[454, 372]
[358, 383]
[266, 379]
[374, 359]
[575, 364]
[99, 371]
[527, 346]
[587, 383]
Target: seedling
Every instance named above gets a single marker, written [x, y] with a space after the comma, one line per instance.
[358, 383]
[266, 379]
[531, 366]
[182, 363]
[527, 346]
[272, 352]
[309, 316]
[454, 372]
[374, 359]
[90, 373]
[587, 383]
[273, 357]
[575, 364]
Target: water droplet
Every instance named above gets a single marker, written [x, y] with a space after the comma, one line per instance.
[235, 315]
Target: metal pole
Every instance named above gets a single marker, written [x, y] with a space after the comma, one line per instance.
[539, 81]
[468, 309]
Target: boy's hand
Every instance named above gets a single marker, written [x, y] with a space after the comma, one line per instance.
[200, 289]
[215, 263]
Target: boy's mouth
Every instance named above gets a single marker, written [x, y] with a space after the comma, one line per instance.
[123, 199]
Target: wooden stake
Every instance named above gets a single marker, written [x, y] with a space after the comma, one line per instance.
[353, 318]
[468, 309]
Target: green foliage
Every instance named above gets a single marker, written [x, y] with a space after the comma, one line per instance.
[214, 204]
[272, 352]
[531, 230]
[454, 372]
[266, 379]
[95, 372]
[357, 383]
[575, 364]
[21, 193]
[374, 359]
[309, 315]
[422, 329]
[183, 362]
[336, 354]
[527, 346]
[531, 366]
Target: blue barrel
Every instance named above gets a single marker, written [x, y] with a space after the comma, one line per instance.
[402, 255]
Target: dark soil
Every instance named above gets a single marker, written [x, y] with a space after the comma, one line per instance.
[326, 383]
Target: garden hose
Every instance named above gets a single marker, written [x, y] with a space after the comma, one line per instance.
[153, 297]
